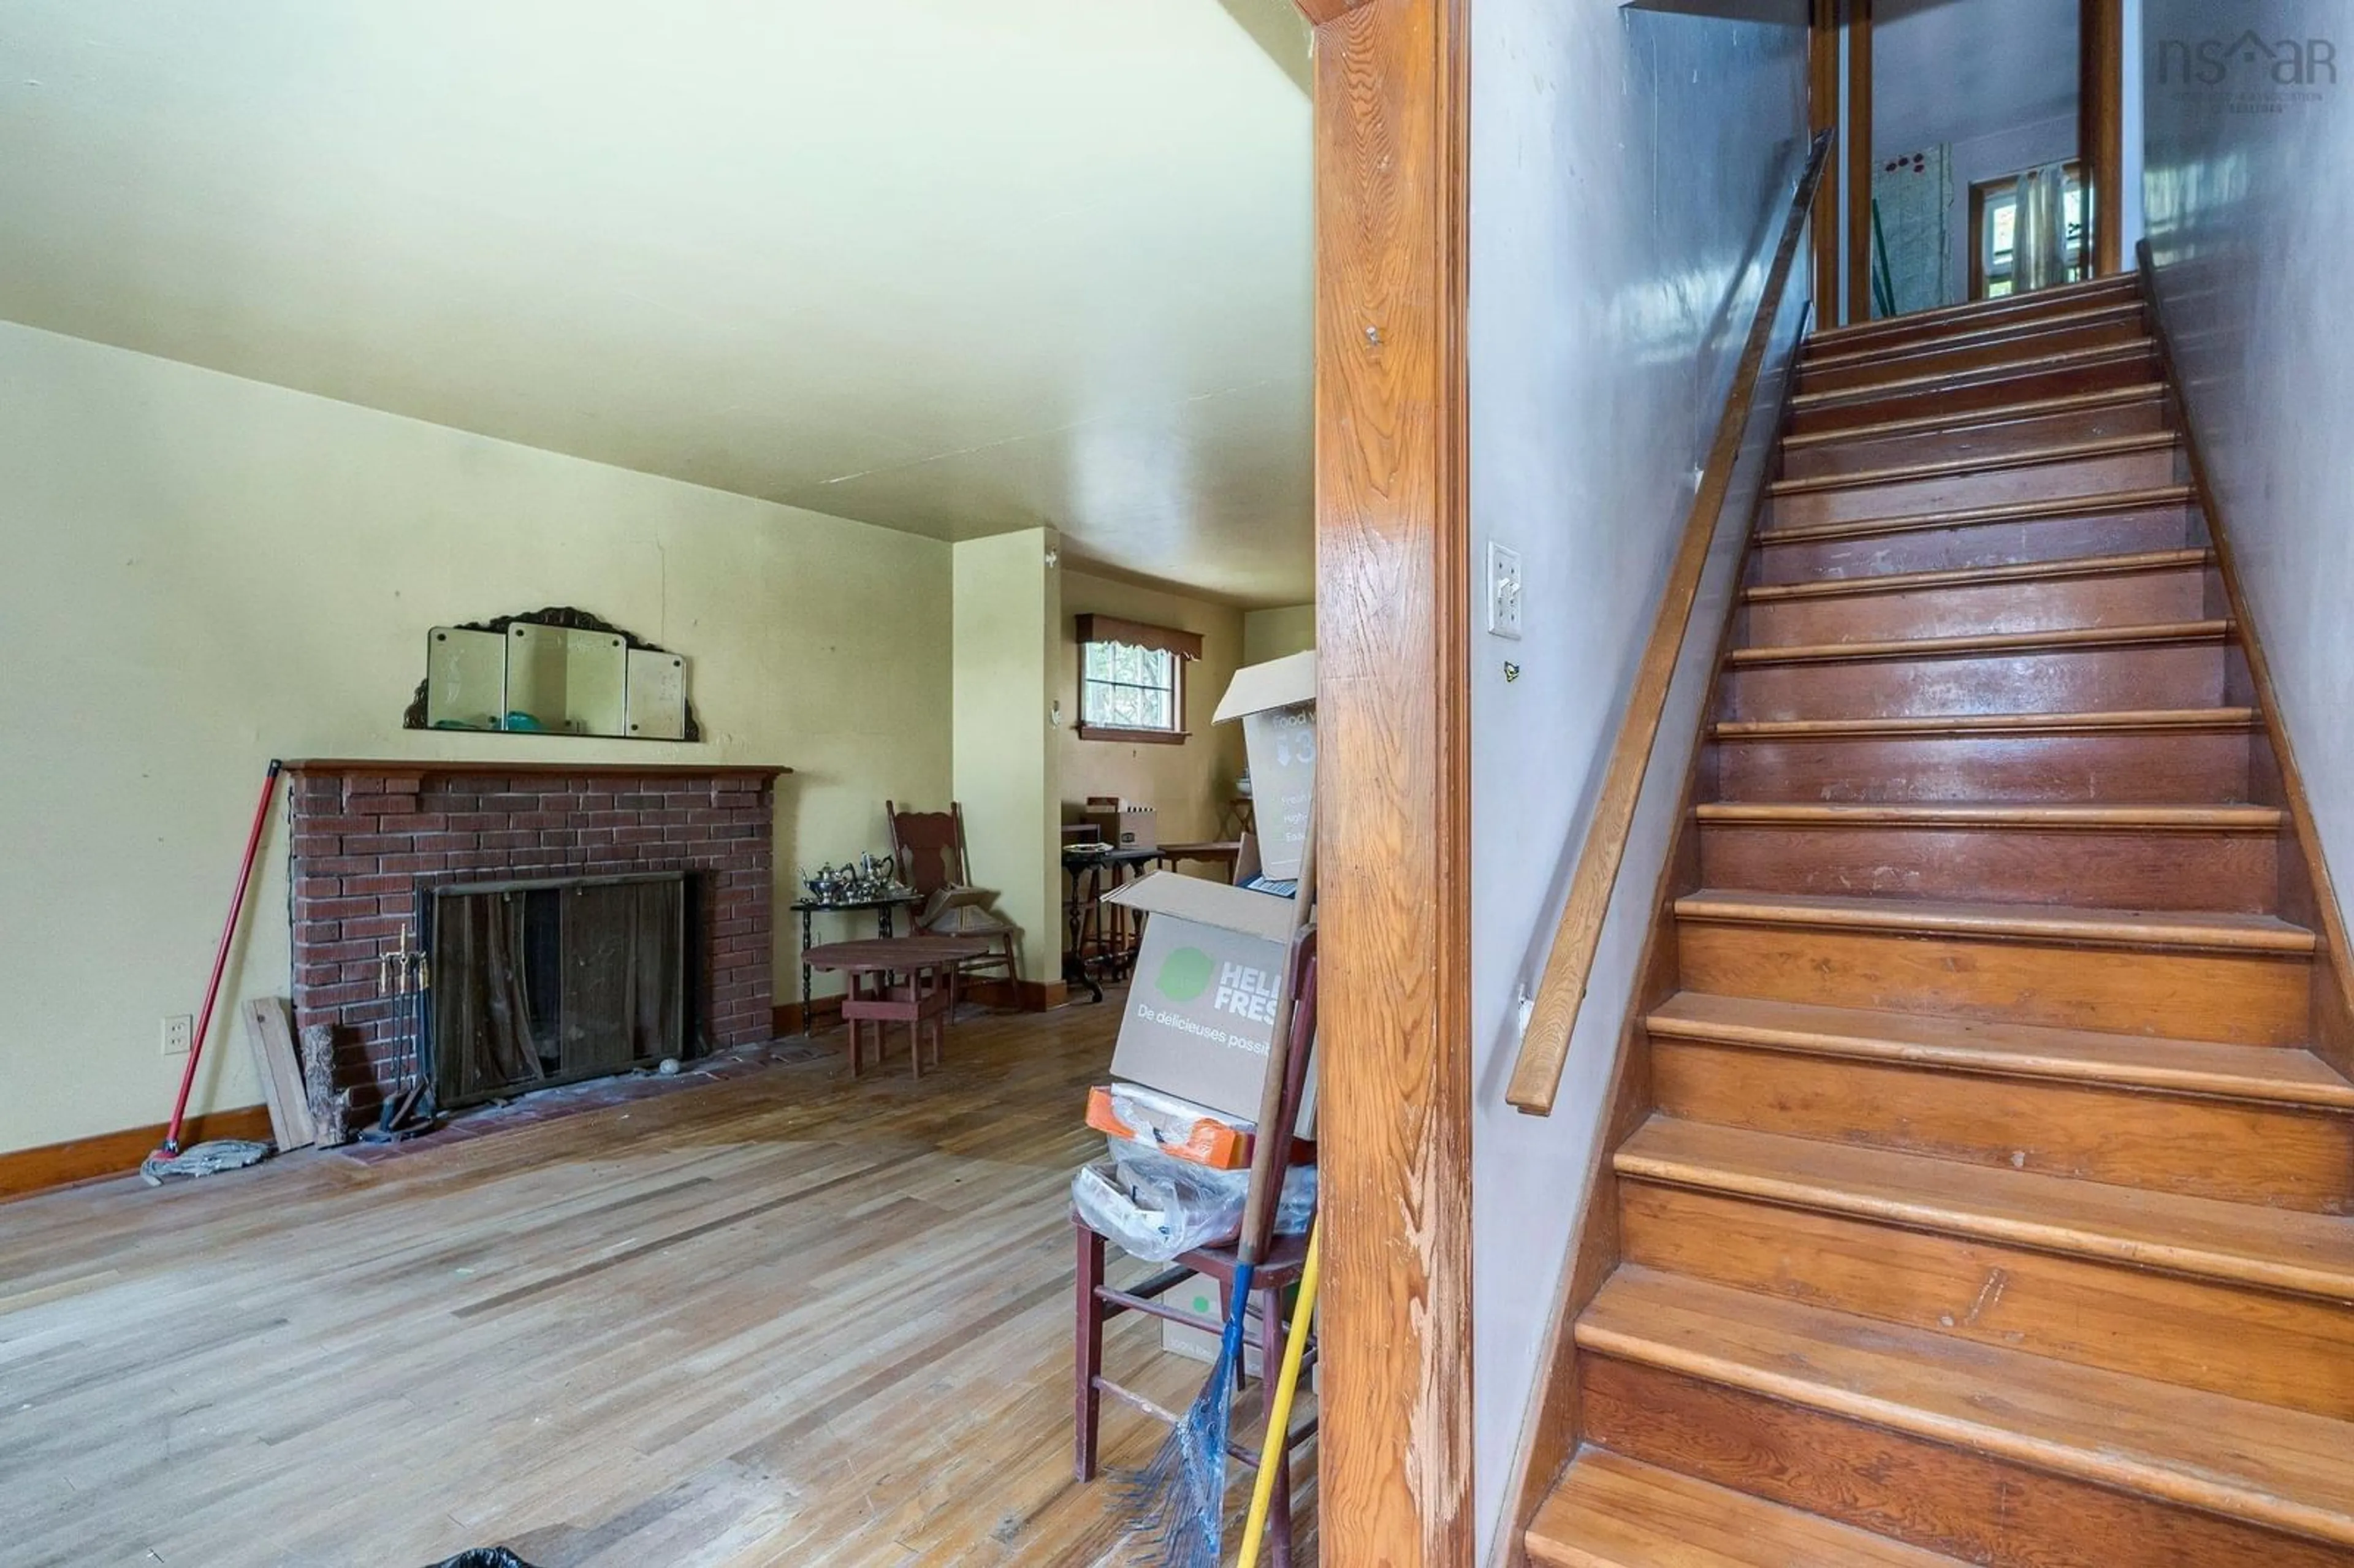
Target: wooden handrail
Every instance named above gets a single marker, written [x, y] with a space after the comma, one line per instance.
[1569, 966]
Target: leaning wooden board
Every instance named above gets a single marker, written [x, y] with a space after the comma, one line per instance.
[270, 1026]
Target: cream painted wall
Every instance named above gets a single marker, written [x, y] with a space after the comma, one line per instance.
[205, 572]
[1008, 605]
[2249, 197]
[1629, 171]
[1186, 784]
[1273, 634]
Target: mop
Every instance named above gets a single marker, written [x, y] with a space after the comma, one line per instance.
[225, 1153]
[1177, 1502]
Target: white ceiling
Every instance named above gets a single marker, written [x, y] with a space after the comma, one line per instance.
[1948, 71]
[952, 266]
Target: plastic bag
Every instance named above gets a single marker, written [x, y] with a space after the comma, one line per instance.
[1157, 1208]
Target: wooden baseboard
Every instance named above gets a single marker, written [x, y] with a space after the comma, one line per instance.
[29, 1171]
[826, 1012]
[1022, 996]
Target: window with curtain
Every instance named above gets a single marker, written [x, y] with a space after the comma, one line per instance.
[2017, 250]
[1132, 680]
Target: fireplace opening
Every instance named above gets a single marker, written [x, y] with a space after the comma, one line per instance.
[536, 983]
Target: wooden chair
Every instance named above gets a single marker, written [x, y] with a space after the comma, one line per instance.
[1277, 1274]
[930, 849]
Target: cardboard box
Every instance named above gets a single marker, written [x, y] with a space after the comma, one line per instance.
[1199, 1293]
[1124, 823]
[1277, 704]
[1178, 1127]
[1200, 1011]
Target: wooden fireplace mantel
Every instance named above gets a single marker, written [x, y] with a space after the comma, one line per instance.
[446, 766]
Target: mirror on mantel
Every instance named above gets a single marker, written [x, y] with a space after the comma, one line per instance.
[558, 671]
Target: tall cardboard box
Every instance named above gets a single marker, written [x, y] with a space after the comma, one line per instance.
[1277, 704]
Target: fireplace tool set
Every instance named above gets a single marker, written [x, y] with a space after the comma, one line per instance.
[407, 973]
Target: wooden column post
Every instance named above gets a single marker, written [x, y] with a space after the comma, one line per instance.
[1859, 160]
[1823, 114]
[1393, 535]
[2101, 132]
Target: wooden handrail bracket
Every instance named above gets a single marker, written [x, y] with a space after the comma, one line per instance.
[1569, 966]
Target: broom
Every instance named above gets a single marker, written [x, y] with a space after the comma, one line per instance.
[1176, 1503]
[225, 1153]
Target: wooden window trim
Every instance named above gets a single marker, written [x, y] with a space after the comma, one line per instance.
[1094, 629]
[1135, 736]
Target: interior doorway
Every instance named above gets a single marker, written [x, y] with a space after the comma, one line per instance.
[1982, 150]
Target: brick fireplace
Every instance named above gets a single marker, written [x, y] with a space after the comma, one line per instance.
[369, 838]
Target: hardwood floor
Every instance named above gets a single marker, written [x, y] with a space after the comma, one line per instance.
[780, 1319]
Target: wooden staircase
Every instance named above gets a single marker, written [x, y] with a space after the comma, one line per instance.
[1989, 1201]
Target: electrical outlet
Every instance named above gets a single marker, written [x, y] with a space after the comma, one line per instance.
[1503, 590]
[179, 1035]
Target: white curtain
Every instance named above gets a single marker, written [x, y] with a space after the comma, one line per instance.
[2040, 257]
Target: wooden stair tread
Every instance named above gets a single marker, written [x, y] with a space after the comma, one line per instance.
[2288, 1250]
[2037, 457]
[2166, 720]
[1970, 418]
[2063, 818]
[2039, 510]
[1611, 1511]
[1984, 642]
[2030, 364]
[2028, 922]
[1966, 336]
[2284, 1075]
[2122, 286]
[2282, 1469]
[2062, 570]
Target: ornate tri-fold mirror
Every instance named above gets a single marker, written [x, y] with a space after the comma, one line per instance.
[558, 671]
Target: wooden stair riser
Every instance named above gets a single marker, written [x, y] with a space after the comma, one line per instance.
[2113, 868]
[2141, 596]
[1974, 354]
[2160, 769]
[1975, 392]
[1946, 1498]
[2234, 1151]
[2103, 474]
[2022, 312]
[2065, 680]
[1990, 437]
[2203, 1333]
[2192, 768]
[2252, 999]
[2001, 543]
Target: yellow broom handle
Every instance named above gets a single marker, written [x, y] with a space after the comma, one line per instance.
[1278, 1416]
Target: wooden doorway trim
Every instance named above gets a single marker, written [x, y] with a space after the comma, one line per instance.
[2100, 139]
[1393, 605]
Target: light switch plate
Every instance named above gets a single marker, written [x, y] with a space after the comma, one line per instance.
[1503, 591]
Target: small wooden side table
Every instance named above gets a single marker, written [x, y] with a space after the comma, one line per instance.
[905, 979]
[809, 908]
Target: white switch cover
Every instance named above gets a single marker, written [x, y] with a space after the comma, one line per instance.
[1503, 590]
